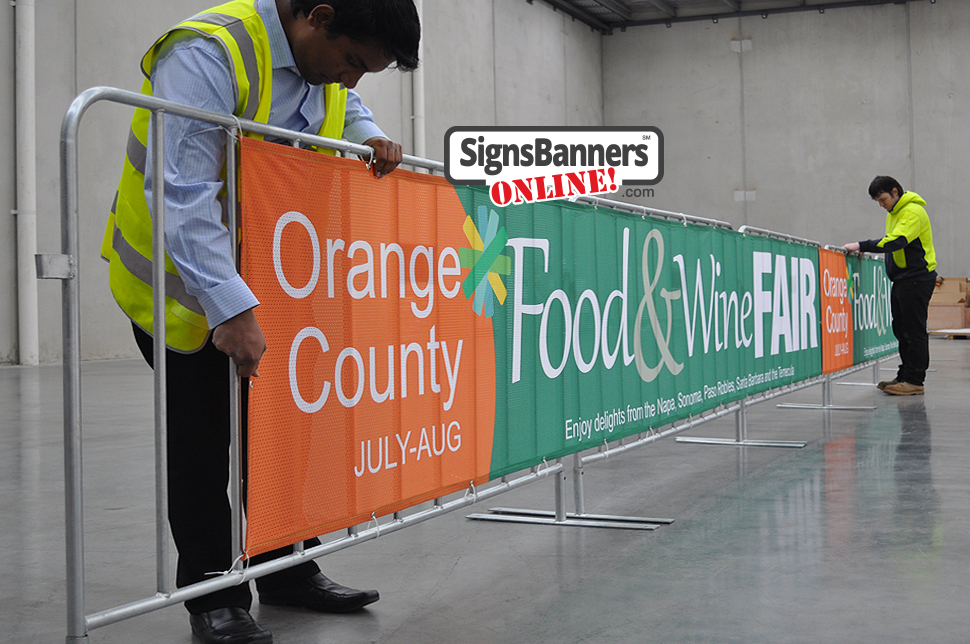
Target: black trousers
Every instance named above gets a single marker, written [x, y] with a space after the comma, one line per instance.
[910, 303]
[198, 476]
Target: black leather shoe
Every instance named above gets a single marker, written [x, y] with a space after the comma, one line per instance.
[229, 626]
[320, 594]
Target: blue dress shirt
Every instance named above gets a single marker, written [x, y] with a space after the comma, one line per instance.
[194, 70]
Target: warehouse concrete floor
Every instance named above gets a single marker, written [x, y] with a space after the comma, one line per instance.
[861, 536]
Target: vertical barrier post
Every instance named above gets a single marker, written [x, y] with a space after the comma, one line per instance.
[561, 495]
[741, 421]
[579, 497]
[71, 323]
[236, 446]
[158, 330]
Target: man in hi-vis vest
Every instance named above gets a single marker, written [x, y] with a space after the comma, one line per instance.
[291, 64]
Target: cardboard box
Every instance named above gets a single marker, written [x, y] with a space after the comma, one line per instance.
[951, 285]
[946, 298]
[946, 316]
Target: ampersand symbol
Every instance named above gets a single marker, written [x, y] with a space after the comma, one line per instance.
[649, 374]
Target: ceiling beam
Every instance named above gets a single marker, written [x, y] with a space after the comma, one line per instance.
[821, 8]
[615, 7]
[578, 14]
[664, 6]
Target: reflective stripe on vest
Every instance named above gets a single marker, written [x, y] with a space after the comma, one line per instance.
[127, 241]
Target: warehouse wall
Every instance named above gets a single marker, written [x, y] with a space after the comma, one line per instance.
[800, 111]
[777, 123]
[547, 66]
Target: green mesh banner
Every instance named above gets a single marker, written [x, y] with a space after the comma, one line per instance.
[615, 324]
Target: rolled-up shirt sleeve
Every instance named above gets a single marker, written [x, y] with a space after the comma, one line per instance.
[195, 72]
[359, 123]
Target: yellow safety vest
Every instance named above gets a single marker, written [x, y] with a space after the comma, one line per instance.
[127, 244]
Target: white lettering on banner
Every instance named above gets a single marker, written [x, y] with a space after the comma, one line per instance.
[660, 409]
[361, 282]
[649, 374]
[756, 379]
[714, 316]
[793, 314]
[708, 314]
[790, 299]
[835, 286]
[301, 403]
[356, 362]
[686, 400]
[519, 309]
[299, 218]
[873, 310]
[383, 454]
[836, 322]
[362, 277]
[571, 319]
[605, 421]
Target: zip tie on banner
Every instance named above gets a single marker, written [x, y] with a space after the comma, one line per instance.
[471, 490]
[232, 566]
[239, 127]
[606, 451]
[370, 161]
[373, 519]
[539, 469]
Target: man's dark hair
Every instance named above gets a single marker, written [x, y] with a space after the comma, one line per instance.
[880, 185]
[394, 24]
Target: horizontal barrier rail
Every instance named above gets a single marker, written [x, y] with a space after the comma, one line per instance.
[653, 212]
[355, 537]
[745, 230]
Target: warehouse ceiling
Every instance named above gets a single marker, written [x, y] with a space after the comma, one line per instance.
[607, 15]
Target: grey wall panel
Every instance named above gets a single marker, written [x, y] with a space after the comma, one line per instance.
[685, 81]
[8, 192]
[826, 106]
[56, 87]
[941, 125]
[459, 41]
[530, 65]
[583, 79]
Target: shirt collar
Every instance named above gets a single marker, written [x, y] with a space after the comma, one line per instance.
[279, 46]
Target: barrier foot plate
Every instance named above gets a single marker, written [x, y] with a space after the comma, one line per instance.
[856, 384]
[546, 517]
[822, 407]
[737, 443]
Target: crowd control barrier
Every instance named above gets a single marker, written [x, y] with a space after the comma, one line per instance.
[428, 346]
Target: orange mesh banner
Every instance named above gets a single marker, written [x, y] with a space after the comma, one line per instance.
[836, 311]
[377, 390]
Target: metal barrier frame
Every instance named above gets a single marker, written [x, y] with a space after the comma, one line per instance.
[64, 267]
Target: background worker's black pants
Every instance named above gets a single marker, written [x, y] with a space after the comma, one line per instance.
[910, 302]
